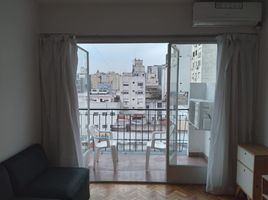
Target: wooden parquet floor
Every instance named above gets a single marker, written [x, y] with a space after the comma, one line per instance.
[131, 167]
[151, 192]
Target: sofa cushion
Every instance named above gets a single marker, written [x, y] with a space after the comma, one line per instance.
[24, 167]
[61, 183]
[6, 191]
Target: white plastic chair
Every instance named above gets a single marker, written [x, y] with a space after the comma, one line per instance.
[154, 144]
[103, 140]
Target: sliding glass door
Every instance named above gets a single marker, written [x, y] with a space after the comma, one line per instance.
[173, 87]
[82, 85]
[190, 77]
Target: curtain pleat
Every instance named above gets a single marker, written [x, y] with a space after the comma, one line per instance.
[233, 109]
[60, 114]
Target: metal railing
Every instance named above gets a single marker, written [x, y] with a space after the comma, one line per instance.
[132, 128]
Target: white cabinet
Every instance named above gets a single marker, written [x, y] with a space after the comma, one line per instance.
[252, 163]
[245, 157]
[245, 179]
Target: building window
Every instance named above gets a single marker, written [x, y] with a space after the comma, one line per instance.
[95, 114]
[159, 105]
[125, 84]
[140, 84]
[104, 113]
[104, 126]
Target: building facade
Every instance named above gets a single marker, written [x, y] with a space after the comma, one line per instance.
[111, 78]
[132, 87]
[203, 66]
[153, 82]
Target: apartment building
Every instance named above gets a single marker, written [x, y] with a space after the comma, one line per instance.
[203, 63]
[133, 87]
[153, 82]
[111, 78]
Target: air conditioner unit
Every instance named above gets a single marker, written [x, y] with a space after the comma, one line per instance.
[227, 13]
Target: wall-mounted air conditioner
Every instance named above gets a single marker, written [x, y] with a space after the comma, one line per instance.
[227, 13]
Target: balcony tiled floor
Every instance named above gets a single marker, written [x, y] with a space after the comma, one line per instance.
[131, 167]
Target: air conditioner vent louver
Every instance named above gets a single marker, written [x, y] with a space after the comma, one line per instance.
[226, 5]
[227, 13]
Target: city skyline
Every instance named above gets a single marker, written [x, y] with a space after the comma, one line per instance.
[118, 57]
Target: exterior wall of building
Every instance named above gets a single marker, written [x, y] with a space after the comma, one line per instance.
[81, 82]
[164, 84]
[111, 78]
[138, 68]
[157, 70]
[101, 98]
[203, 66]
[94, 80]
[133, 87]
[196, 72]
[209, 63]
[133, 91]
[153, 88]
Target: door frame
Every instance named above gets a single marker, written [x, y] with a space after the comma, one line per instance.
[169, 39]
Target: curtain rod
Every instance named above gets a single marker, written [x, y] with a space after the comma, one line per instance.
[143, 38]
[57, 34]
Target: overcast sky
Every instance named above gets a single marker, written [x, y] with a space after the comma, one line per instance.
[119, 57]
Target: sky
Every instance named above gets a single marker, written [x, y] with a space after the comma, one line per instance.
[119, 57]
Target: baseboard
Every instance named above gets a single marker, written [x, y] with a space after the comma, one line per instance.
[198, 154]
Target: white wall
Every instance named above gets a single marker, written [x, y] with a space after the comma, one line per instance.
[122, 19]
[199, 141]
[261, 125]
[19, 85]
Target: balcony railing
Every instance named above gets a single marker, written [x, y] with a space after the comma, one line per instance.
[132, 128]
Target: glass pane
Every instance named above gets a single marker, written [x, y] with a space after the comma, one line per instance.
[191, 95]
[173, 103]
[82, 91]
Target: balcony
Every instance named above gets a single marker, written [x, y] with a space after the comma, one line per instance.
[132, 129]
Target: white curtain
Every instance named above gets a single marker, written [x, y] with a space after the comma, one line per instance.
[233, 109]
[60, 115]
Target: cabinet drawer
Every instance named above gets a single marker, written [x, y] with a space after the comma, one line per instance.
[244, 179]
[246, 158]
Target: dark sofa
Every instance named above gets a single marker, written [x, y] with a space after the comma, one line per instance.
[32, 178]
[6, 190]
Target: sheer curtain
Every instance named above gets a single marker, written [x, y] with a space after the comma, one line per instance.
[233, 109]
[60, 117]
